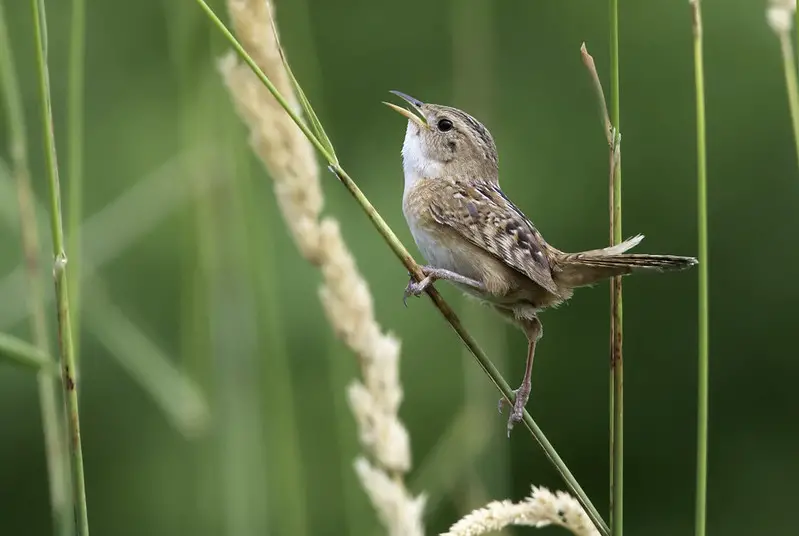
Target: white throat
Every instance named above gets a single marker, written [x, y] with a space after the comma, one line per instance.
[415, 164]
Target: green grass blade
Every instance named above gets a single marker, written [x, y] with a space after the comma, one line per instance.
[316, 125]
[22, 353]
[75, 146]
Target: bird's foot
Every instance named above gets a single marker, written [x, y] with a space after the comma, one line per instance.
[415, 288]
[517, 409]
[433, 274]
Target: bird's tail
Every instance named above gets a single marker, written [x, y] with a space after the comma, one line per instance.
[589, 267]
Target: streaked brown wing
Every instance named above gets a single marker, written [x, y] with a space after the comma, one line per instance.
[482, 214]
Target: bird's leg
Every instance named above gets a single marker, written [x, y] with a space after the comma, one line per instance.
[432, 274]
[532, 329]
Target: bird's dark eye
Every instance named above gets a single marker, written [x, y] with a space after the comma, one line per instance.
[444, 125]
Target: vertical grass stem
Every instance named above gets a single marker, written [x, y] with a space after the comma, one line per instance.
[702, 384]
[616, 329]
[65, 343]
[50, 400]
[75, 147]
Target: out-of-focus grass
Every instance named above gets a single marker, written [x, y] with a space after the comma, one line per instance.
[75, 148]
[38, 356]
[473, 88]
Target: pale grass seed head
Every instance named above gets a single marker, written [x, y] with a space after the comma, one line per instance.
[290, 159]
[780, 14]
[399, 512]
[540, 509]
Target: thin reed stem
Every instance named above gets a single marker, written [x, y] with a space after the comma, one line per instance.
[702, 385]
[66, 348]
[242, 241]
[50, 400]
[616, 326]
[473, 84]
[402, 253]
[75, 144]
[789, 66]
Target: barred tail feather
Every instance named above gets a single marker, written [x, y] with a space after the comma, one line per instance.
[634, 261]
[587, 268]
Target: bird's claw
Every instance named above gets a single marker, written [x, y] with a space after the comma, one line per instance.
[501, 404]
[413, 289]
[517, 407]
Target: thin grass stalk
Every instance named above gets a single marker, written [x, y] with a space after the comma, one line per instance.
[233, 341]
[402, 253]
[66, 348]
[214, 466]
[75, 145]
[473, 51]
[339, 367]
[702, 384]
[236, 330]
[50, 400]
[197, 260]
[288, 505]
[616, 326]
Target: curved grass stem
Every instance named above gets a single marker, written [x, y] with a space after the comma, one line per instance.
[325, 148]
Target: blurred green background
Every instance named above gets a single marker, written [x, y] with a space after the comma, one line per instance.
[187, 261]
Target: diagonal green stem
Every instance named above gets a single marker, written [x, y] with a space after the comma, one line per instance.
[66, 349]
[616, 326]
[402, 253]
[25, 354]
[701, 158]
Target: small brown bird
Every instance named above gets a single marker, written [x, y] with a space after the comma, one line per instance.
[472, 235]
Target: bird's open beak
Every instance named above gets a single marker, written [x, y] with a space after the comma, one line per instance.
[416, 103]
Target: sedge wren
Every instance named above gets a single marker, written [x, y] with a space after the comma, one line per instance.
[473, 236]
